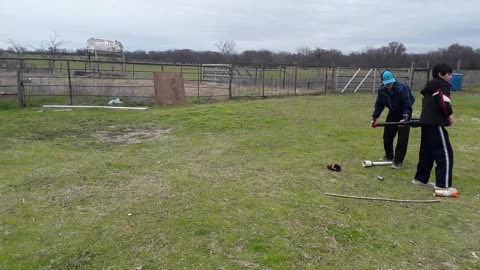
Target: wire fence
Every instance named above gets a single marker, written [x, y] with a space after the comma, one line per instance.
[83, 82]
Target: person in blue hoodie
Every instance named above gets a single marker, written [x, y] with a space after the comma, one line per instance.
[398, 98]
[435, 143]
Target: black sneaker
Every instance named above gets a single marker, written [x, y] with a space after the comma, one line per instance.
[385, 158]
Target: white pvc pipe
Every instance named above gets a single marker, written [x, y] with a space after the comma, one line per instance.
[364, 78]
[93, 107]
[369, 163]
[348, 83]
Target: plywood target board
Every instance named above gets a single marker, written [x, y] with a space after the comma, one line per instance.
[169, 88]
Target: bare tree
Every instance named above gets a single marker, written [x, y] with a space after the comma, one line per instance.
[304, 53]
[256, 57]
[395, 48]
[227, 48]
[19, 49]
[304, 50]
[54, 44]
[53, 49]
[16, 47]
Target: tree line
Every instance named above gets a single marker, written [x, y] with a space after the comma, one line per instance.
[394, 54]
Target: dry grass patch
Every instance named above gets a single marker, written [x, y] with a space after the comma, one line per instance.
[129, 136]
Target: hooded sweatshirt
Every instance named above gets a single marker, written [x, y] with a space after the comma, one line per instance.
[399, 101]
[436, 106]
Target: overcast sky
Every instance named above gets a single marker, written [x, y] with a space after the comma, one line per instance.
[275, 25]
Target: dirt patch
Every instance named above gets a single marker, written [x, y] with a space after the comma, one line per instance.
[130, 136]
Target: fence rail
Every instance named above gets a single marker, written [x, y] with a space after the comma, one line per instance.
[75, 82]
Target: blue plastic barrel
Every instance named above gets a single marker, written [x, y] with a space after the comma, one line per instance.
[456, 81]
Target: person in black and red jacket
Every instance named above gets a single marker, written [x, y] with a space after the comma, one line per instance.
[435, 144]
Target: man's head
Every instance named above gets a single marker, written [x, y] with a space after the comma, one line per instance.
[388, 79]
[442, 71]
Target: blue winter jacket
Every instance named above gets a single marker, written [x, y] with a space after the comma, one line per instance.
[399, 101]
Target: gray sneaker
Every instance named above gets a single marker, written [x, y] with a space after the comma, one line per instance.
[444, 189]
[420, 183]
[397, 166]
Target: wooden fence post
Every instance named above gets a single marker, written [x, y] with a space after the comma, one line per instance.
[428, 71]
[230, 80]
[410, 77]
[326, 79]
[263, 81]
[295, 82]
[20, 88]
[198, 82]
[69, 83]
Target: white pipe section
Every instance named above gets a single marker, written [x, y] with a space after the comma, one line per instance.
[93, 107]
[364, 78]
[348, 83]
[369, 163]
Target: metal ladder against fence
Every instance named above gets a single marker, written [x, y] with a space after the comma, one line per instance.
[361, 82]
[351, 81]
[402, 75]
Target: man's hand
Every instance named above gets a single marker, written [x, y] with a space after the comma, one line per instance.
[405, 119]
[373, 123]
[450, 120]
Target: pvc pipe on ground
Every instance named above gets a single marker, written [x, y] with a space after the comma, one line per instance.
[369, 163]
[94, 107]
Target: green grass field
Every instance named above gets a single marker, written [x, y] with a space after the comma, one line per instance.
[234, 185]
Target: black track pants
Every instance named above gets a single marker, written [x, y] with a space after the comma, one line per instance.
[435, 146]
[389, 134]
